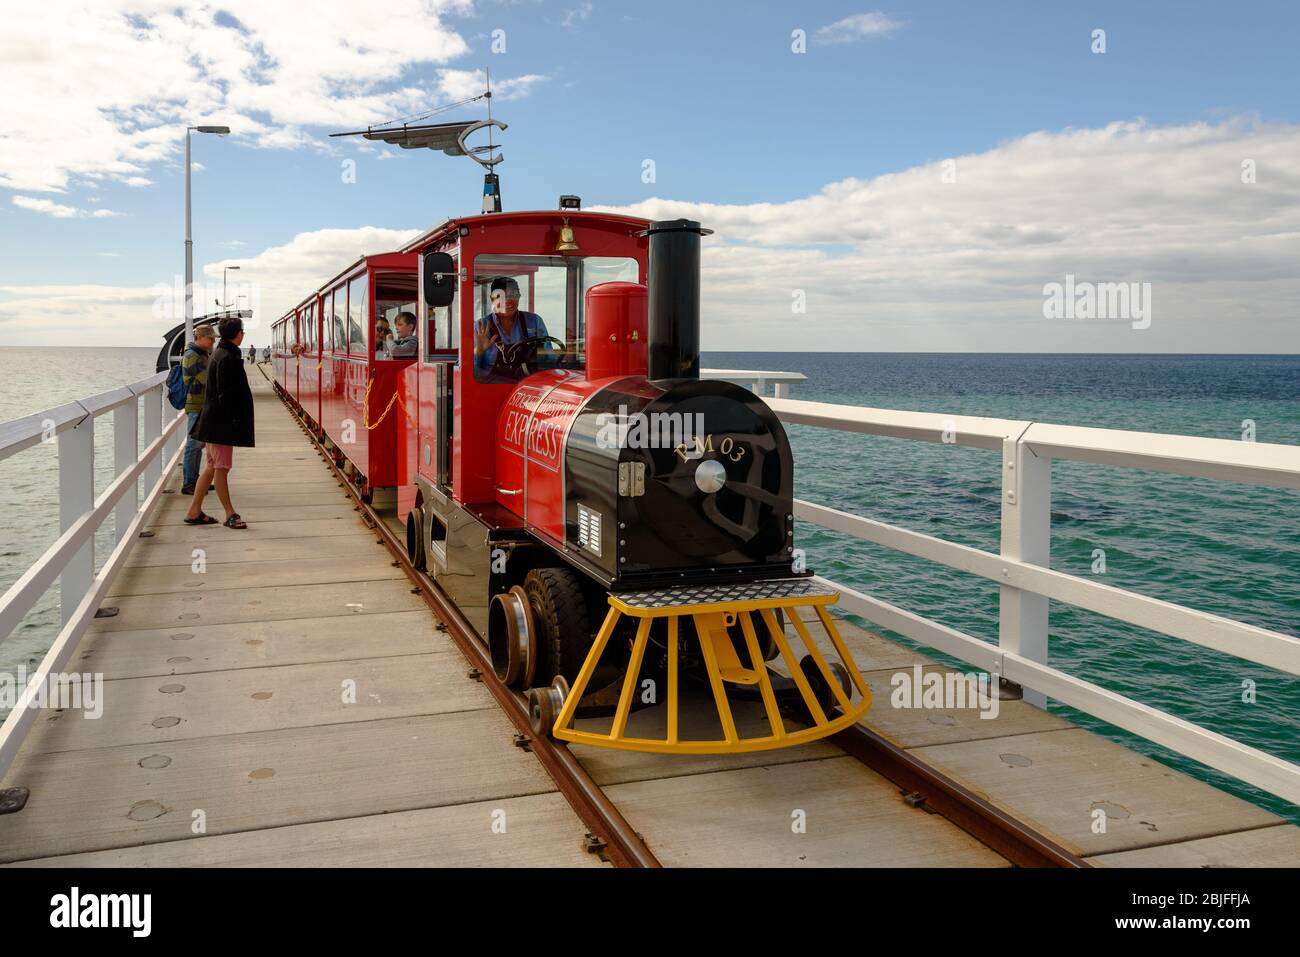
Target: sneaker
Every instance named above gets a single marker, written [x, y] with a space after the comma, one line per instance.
[187, 489]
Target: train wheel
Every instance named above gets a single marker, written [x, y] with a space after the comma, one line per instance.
[415, 540]
[821, 690]
[512, 638]
[766, 645]
[559, 608]
[544, 706]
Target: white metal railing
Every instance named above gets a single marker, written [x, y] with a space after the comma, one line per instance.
[1021, 568]
[756, 380]
[71, 557]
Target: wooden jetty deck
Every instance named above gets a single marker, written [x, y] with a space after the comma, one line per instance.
[294, 703]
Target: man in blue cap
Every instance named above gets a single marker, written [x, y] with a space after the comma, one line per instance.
[506, 325]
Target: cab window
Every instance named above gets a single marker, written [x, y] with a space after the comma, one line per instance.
[529, 311]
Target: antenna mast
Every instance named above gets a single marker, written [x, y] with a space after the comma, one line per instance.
[449, 138]
[491, 183]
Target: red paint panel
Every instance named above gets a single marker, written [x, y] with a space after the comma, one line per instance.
[530, 434]
[617, 329]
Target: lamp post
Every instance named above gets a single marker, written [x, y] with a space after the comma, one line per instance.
[189, 241]
[224, 270]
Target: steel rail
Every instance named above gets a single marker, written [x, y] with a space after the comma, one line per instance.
[933, 790]
[616, 840]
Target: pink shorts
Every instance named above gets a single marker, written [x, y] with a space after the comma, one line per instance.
[220, 456]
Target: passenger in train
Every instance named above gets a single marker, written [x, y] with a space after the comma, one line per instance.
[383, 338]
[405, 345]
[505, 326]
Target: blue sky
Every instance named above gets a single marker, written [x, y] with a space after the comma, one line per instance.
[714, 95]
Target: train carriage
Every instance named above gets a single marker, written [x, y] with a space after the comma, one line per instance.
[337, 367]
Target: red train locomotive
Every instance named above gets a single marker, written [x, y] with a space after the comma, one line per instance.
[619, 531]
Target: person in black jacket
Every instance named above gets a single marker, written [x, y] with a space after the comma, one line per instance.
[225, 421]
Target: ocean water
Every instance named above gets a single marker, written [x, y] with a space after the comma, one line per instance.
[1226, 548]
[32, 380]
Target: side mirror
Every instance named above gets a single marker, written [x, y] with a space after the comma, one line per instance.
[439, 279]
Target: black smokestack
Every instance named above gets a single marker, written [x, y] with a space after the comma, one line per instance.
[674, 299]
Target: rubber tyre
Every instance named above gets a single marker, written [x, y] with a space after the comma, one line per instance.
[415, 540]
[766, 646]
[562, 621]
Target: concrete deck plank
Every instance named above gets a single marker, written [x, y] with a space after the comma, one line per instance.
[142, 794]
[160, 710]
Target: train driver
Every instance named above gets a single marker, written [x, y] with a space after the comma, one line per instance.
[506, 325]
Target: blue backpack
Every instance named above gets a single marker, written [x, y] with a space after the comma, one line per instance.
[177, 390]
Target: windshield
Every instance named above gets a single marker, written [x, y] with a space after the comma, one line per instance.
[528, 311]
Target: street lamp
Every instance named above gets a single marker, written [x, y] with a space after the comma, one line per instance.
[224, 270]
[189, 242]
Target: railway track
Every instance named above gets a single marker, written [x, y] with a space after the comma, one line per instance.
[611, 835]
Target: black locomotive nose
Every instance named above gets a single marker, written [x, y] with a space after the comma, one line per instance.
[710, 493]
[724, 489]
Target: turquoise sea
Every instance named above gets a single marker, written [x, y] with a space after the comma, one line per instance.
[1226, 548]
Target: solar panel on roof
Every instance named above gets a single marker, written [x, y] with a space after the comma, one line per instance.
[436, 136]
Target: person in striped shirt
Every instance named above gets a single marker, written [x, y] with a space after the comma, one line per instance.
[194, 373]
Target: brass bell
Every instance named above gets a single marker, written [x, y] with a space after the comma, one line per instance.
[567, 243]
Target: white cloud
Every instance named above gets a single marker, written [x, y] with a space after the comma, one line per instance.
[46, 206]
[102, 89]
[463, 84]
[85, 315]
[575, 15]
[908, 261]
[58, 210]
[279, 278]
[272, 282]
[860, 26]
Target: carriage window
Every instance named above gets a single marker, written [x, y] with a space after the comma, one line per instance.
[529, 311]
[395, 311]
[339, 339]
[357, 316]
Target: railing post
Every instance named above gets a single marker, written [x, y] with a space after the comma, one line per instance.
[126, 451]
[76, 498]
[1027, 536]
[760, 386]
[178, 437]
[781, 390]
[153, 400]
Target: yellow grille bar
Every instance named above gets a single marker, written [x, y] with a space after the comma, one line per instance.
[722, 667]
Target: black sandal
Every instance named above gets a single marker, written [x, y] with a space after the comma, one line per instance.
[234, 521]
[203, 519]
